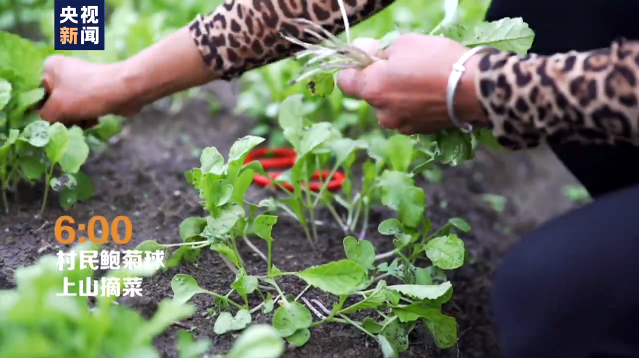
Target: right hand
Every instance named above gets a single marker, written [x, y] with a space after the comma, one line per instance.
[80, 91]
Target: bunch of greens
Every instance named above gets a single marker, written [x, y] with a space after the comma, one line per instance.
[32, 149]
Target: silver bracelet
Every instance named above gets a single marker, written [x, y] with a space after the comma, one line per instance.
[453, 82]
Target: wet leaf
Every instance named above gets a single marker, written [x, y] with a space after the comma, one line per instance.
[36, 133]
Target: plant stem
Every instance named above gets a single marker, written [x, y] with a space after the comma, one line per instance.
[357, 325]
[362, 234]
[47, 179]
[303, 292]
[5, 200]
[228, 300]
[269, 259]
[386, 255]
[237, 252]
[185, 244]
[254, 248]
[339, 221]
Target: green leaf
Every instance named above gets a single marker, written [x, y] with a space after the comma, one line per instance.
[242, 184]
[322, 84]
[291, 317]
[373, 301]
[444, 330]
[36, 133]
[84, 188]
[338, 277]
[343, 148]
[107, 127]
[507, 34]
[149, 245]
[31, 167]
[397, 335]
[227, 252]
[422, 292]
[497, 202]
[58, 142]
[185, 287]
[216, 227]
[460, 223]
[390, 227]
[227, 323]
[192, 227]
[77, 151]
[215, 192]
[446, 252]
[291, 114]
[360, 251]
[313, 136]
[387, 348]
[26, 100]
[212, 161]
[300, 337]
[65, 181]
[258, 341]
[187, 348]
[241, 148]
[399, 193]
[269, 304]
[399, 149]
[442, 327]
[263, 226]
[411, 208]
[5, 93]
[371, 326]
[244, 285]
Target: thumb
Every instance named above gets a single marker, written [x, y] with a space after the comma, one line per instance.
[352, 81]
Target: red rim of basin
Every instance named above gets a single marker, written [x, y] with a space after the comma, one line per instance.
[285, 158]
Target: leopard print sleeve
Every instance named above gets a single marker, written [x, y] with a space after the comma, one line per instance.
[584, 97]
[244, 34]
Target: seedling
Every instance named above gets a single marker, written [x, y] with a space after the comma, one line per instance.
[31, 149]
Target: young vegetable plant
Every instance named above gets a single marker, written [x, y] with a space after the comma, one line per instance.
[359, 284]
[31, 149]
[69, 326]
[390, 311]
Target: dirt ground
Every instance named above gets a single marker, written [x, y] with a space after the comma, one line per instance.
[142, 176]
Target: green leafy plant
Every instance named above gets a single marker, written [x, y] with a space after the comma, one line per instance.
[32, 149]
[68, 326]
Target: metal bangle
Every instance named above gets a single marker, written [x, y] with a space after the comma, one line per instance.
[453, 82]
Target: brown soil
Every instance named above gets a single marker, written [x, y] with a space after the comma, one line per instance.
[141, 176]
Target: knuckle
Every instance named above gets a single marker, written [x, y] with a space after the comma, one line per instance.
[375, 95]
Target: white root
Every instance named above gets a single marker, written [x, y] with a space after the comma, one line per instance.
[331, 53]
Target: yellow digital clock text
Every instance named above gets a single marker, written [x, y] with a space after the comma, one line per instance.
[66, 224]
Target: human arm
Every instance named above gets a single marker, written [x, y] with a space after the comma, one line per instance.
[585, 97]
[238, 36]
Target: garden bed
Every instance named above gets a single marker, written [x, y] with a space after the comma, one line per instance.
[142, 176]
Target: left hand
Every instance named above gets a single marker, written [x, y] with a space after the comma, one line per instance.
[407, 87]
